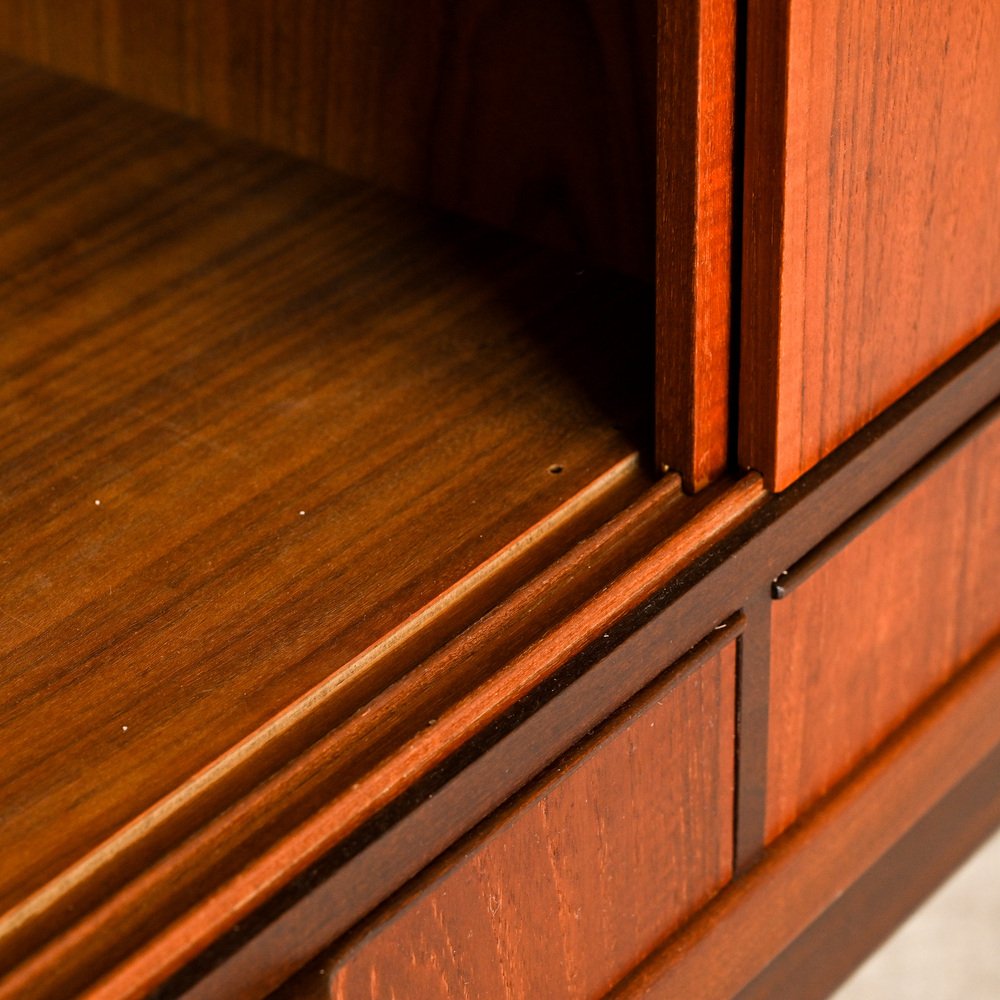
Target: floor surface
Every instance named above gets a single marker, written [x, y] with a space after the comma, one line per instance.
[949, 949]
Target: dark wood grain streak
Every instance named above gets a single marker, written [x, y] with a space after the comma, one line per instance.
[759, 915]
[536, 115]
[873, 213]
[813, 561]
[617, 844]
[884, 623]
[694, 235]
[853, 926]
[785, 527]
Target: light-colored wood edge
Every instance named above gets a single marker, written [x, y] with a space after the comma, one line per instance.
[753, 920]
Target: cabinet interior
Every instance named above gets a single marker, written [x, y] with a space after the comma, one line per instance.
[263, 415]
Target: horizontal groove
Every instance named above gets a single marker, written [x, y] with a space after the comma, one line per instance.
[497, 691]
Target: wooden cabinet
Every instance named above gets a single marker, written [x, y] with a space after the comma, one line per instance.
[373, 433]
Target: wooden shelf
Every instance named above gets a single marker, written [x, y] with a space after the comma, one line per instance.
[258, 417]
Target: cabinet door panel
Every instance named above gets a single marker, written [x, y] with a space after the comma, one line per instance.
[877, 629]
[872, 212]
[574, 883]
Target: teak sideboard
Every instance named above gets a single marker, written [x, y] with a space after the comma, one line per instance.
[498, 498]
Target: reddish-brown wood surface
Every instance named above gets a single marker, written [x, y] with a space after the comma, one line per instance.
[760, 914]
[751, 551]
[573, 884]
[859, 644]
[872, 212]
[537, 115]
[694, 234]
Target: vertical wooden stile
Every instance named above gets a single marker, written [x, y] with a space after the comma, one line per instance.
[696, 101]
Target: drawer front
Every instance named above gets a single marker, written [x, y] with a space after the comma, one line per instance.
[572, 884]
[873, 211]
[861, 643]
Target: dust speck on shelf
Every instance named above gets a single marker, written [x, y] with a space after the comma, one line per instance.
[97, 503]
[124, 729]
[717, 627]
[302, 513]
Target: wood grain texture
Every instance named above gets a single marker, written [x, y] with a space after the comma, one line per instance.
[244, 397]
[860, 920]
[760, 914]
[858, 645]
[572, 885]
[536, 116]
[696, 88]
[872, 212]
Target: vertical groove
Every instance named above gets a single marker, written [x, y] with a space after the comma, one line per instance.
[752, 696]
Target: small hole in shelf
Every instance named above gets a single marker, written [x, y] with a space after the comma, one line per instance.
[555, 469]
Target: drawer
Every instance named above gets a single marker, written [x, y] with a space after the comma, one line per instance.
[859, 644]
[872, 212]
[576, 880]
